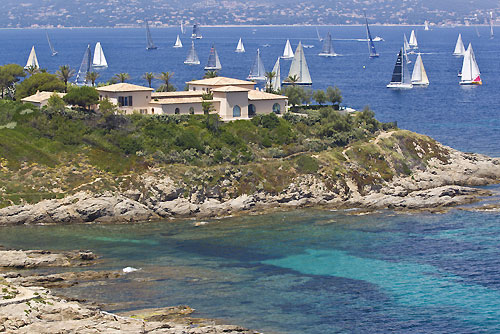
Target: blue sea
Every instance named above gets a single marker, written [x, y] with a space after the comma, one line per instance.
[305, 271]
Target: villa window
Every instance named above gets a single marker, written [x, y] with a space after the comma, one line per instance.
[194, 88]
[236, 111]
[191, 110]
[276, 108]
[251, 110]
[124, 101]
[177, 111]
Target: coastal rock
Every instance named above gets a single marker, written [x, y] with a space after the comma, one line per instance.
[178, 207]
[42, 258]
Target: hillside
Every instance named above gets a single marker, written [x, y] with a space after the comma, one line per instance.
[95, 167]
[84, 13]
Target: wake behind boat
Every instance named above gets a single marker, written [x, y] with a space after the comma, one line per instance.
[401, 75]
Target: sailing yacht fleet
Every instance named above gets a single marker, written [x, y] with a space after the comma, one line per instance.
[299, 72]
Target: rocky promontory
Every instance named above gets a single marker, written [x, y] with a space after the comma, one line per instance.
[396, 170]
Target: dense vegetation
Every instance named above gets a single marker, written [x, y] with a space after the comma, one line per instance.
[43, 136]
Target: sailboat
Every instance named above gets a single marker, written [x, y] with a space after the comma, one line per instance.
[426, 25]
[192, 57]
[182, 28]
[257, 72]
[371, 46]
[54, 52]
[178, 43]
[299, 68]
[276, 81]
[319, 36]
[492, 35]
[470, 70]
[419, 75]
[406, 47]
[401, 75]
[85, 67]
[240, 48]
[328, 47]
[149, 39]
[99, 61]
[477, 32]
[459, 47]
[287, 52]
[213, 60]
[196, 32]
[32, 60]
[413, 40]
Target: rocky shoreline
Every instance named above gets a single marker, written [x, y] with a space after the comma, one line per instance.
[28, 306]
[423, 175]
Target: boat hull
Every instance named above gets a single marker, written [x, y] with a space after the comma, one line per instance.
[420, 84]
[470, 83]
[257, 78]
[328, 55]
[286, 58]
[208, 68]
[99, 67]
[284, 83]
[191, 63]
[399, 85]
[151, 48]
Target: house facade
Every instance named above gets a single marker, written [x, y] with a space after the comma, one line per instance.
[232, 99]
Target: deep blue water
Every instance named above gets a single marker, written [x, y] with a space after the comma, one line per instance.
[466, 118]
[305, 271]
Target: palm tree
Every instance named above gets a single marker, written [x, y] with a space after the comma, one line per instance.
[122, 77]
[165, 77]
[65, 73]
[210, 74]
[92, 77]
[293, 79]
[269, 82]
[31, 70]
[149, 76]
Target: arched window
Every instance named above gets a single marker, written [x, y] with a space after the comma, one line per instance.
[191, 110]
[236, 111]
[251, 110]
[276, 108]
[177, 111]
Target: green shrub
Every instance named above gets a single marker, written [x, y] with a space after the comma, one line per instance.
[307, 164]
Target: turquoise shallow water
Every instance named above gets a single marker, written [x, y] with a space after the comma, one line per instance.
[307, 271]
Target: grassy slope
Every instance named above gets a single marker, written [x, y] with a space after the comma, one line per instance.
[52, 156]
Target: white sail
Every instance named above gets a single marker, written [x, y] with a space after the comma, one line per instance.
[287, 52]
[413, 40]
[182, 28]
[99, 59]
[257, 72]
[299, 67]
[492, 34]
[178, 43]
[470, 69]
[319, 36]
[419, 75]
[406, 47]
[240, 48]
[459, 47]
[85, 68]
[192, 57]
[32, 60]
[276, 81]
[426, 25]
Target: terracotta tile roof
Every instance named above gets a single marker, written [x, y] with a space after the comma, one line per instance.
[259, 95]
[41, 96]
[228, 89]
[221, 81]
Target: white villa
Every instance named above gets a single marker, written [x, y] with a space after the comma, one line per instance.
[40, 99]
[232, 99]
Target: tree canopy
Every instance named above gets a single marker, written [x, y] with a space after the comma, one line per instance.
[39, 82]
[82, 96]
[9, 75]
